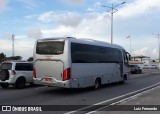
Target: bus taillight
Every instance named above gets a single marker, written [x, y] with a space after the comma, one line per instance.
[66, 74]
[34, 73]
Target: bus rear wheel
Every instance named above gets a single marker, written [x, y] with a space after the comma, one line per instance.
[123, 80]
[97, 83]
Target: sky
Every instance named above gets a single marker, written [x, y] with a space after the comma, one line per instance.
[30, 20]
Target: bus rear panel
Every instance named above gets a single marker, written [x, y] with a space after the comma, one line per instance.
[51, 63]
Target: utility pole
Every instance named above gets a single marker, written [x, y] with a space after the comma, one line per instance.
[130, 44]
[112, 11]
[158, 36]
[13, 39]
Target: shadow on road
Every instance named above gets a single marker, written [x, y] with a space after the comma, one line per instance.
[12, 87]
[67, 91]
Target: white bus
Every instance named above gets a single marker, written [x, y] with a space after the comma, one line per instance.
[79, 63]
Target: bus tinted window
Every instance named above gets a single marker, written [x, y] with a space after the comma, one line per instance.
[84, 53]
[114, 55]
[50, 48]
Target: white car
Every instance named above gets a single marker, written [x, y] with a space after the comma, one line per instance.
[145, 67]
[153, 67]
[16, 73]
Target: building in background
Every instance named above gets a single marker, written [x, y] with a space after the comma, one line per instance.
[145, 62]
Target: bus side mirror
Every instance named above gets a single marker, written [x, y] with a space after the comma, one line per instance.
[129, 56]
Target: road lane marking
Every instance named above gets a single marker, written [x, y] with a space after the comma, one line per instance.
[134, 93]
[124, 100]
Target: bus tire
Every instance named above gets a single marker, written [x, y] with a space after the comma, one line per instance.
[97, 83]
[123, 80]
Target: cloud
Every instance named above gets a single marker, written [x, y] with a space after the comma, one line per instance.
[30, 3]
[96, 25]
[131, 19]
[47, 16]
[155, 52]
[34, 33]
[62, 18]
[139, 7]
[3, 5]
[32, 16]
[146, 51]
[73, 2]
[92, 25]
[6, 45]
[69, 19]
[58, 31]
[94, 7]
[89, 22]
[23, 47]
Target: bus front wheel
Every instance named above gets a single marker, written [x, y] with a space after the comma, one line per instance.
[123, 80]
[97, 83]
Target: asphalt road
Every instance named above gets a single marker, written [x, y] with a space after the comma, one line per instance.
[57, 96]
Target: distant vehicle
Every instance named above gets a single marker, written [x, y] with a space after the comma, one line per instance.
[135, 69]
[145, 67]
[16, 73]
[78, 63]
[153, 67]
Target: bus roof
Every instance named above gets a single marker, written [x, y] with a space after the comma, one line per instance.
[84, 41]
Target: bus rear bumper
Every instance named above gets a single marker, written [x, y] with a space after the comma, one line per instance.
[63, 84]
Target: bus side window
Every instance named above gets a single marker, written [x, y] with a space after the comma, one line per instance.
[125, 59]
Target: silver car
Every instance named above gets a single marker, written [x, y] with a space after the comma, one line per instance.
[16, 73]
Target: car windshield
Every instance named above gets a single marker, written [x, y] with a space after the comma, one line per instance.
[6, 66]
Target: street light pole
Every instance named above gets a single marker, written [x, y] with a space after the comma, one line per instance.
[158, 36]
[13, 39]
[112, 25]
[113, 10]
[130, 44]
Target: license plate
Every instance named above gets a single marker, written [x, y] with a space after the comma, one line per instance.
[48, 79]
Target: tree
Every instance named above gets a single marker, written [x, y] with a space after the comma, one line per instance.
[2, 57]
[30, 59]
[14, 58]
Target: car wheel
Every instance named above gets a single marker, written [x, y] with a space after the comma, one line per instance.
[141, 72]
[4, 85]
[20, 83]
[137, 72]
[97, 83]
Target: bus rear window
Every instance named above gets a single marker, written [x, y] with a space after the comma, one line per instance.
[50, 48]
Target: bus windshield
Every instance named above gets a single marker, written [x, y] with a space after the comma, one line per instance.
[50, 48]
